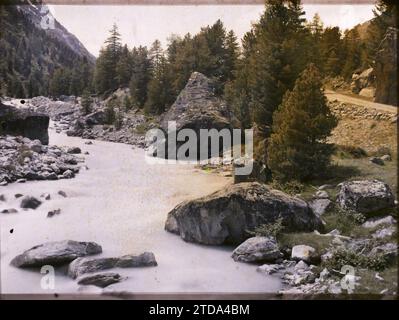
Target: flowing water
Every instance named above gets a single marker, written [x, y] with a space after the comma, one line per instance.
[122, 202]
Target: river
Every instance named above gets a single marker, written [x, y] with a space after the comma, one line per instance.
[121, 202]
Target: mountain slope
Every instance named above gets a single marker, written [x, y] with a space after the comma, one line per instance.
[31, 54]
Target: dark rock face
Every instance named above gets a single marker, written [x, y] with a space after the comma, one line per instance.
[197, 108]
[257, 249]
[55, 253]
[101, 280]
[386, 69]
[87, 265]
[365, 196]
[23, 122]
[226, 215]
[97, 117]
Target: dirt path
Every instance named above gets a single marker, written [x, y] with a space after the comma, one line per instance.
[332, 95]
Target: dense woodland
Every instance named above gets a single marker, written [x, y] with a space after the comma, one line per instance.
[34, 64]
[262, 78]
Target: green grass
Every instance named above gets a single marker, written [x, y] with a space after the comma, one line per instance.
[320, 243]
[369, 284]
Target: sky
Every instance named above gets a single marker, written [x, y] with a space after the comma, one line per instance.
[141, 25]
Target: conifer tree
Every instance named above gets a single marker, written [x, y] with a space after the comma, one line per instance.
[124, 68]
[86, 102]
[106, 78]
[276, 60]
[110, 114]
[301, 125]
[141, 75]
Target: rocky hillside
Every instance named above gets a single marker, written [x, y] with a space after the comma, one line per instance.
[370, 129]
[32, 48]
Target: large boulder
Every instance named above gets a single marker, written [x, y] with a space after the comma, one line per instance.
[363, 80]
[55, 253]
[23, 122]
[257, 249]
[88, 265]
[227, 215]
[197, 107]
[94, 118]
[365, 196]
[29, 202]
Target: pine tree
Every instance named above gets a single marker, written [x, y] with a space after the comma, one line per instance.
[141, 75]
[353, 53]
[86, 102]
[106, 76]
[60, 82]
[276, 60]
[298, 148]
[331, 51]
[124, 68]
[159, 95]
[231, 56]
[127, 104]
[110, 114]
[118, 121]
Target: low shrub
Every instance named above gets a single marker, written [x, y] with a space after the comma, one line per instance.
[269, 230]
[342, 257]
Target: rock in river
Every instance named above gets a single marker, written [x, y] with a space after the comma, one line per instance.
[87, 265]
[257, 249]
[101, 280]
[226, 215]
[365, 196]
[55, 253]
[30, 202]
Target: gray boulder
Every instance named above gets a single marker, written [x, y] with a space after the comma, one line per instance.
[101, 280]
[365, 196]
[257, 249]
[28, 202]
[88, 265]
[377, 161]
[74, 150]
[375, 222]
[97, 117]
[226, 215]
[55, 253]
[388, 250]
[320, 206]
[305, 253]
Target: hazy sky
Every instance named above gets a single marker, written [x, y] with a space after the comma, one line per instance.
[141, 25]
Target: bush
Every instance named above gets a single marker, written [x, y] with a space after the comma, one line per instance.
[110, 115]
[291, 187]
[341, 257]
[350, 152]
[343, 220]
[269, 230]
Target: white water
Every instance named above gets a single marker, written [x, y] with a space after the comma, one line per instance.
[121, 202]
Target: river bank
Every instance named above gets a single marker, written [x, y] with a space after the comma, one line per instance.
[121, 202]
